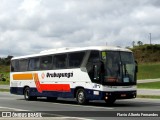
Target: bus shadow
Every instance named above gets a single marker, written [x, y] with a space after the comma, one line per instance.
[100, 103]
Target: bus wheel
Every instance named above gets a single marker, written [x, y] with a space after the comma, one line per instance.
[27, 96]
[110, 101]
[81, 97]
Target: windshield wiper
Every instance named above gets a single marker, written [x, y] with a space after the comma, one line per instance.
[125, 70]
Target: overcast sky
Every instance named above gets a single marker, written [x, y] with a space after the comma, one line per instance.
[30, 26]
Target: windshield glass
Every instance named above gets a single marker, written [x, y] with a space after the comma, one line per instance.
[119, 67]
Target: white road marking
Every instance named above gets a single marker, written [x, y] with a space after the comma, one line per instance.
[108, 108]
[16, 109]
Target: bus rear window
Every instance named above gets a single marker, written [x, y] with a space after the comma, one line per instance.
[14, 66]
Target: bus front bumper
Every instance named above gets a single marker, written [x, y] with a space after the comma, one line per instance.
[120, 94]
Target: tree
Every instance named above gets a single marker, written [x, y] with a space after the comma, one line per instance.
[140, 43]
[5, 61]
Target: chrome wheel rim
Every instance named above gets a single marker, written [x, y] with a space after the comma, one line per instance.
[81, 97]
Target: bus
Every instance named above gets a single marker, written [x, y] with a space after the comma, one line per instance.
[83, 73]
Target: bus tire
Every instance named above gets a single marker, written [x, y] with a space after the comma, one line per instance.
[110, 101]
[81, 97]
[27, 94]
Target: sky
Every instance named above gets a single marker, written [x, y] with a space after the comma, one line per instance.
[30, 26]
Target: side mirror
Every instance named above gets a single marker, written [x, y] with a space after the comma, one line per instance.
[95, 71]
[136, 66]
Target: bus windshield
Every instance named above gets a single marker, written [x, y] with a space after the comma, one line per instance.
[119, 68]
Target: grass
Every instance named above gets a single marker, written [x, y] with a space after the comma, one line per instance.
[148, 71]
[5, 70]
[4, 82]
[150, 85]
[149, 96]
[4, 90]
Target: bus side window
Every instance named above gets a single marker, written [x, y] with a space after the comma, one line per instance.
[75, 59]
[93, 58]
[14, 66]
[46, 63]
[33, 64]
[23, 64]
[60, 61]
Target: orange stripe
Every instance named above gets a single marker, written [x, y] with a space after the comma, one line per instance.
[50, 87]
[36, 80]
[42, 87]
[27, 76]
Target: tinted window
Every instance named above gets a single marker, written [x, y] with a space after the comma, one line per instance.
[14, 66]
[94, 56]
[75, 59]
[46, 62]
[60, 61]
[34, 64]
[112, 63]
[23, 65]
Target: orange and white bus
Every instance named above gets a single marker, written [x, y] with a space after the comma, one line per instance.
[86, 73]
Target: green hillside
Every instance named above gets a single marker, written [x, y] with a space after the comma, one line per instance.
[147, 53]
[148, 58]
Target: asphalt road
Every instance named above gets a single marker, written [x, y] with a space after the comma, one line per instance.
[93, 110]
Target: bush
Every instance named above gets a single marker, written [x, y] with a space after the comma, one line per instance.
[3, 79]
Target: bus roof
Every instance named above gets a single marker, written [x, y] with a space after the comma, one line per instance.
[74, 49]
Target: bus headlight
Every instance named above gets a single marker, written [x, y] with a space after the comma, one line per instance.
[106, 97]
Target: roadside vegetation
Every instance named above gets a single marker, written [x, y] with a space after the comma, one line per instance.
[5, 70]
[150, 85]
[4, 74]
[148, 58]
[147, 53]
[4, 90]
[148, 70]
[149, 96]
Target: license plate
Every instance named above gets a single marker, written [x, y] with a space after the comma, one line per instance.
[123, 95]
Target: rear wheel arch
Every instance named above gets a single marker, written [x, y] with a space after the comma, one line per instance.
[26, 93]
